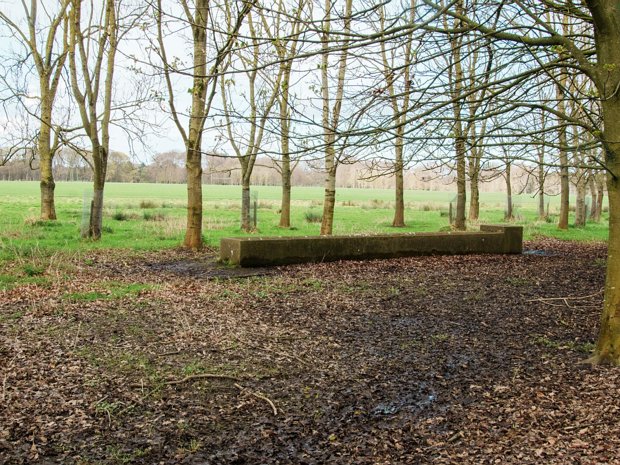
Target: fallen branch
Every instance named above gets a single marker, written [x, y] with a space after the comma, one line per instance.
[189, 378]
[259, 396]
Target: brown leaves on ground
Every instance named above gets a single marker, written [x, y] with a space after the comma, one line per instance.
[168, 358]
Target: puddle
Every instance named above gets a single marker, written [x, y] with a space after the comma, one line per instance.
[543, 253]
[412, 402]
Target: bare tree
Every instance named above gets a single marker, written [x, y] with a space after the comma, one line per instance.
[332, 105]
[92, 54]
[398, 68]
[456, 81]
[200, 18]
[286, 44]
[261, 99]
[44, 43]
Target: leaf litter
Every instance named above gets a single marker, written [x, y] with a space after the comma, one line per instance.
[462, 359]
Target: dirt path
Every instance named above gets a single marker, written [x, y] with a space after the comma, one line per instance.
[167, 358]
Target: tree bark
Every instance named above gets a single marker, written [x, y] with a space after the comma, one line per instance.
[399, 209]
[593, 195]
[509, 210]
[285, 207]
[564, 175]
[246, 223]
[285, 168]
[474, 194]
[600, 186]
[580, 200]
[329, 202]
[46, 156]
[541, 185]
[606, 16]
[461, 183]
[48, 208]
[608, 343]
[193, 231]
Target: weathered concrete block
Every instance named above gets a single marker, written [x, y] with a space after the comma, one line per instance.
[513, 236]
[264, 251]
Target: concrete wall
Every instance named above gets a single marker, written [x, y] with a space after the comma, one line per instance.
[265, 251]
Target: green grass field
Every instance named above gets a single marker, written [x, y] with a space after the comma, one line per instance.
[152, 216]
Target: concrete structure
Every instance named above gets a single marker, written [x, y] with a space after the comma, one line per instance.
[265, 251]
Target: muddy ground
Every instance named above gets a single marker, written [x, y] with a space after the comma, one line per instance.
[166, 358]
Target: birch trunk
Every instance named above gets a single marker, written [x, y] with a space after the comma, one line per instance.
[331, 118]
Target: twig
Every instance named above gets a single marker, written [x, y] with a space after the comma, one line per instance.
[281, 353]
[191, 378]
[564, 299]
[94, 404]
[77, 335]
[259, 396]
[587, 425]
[165, 354]
[4, 387]
[200, 376]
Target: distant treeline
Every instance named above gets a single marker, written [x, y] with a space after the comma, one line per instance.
[169, 168]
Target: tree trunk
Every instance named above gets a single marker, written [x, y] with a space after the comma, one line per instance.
[99, 176]
[593, 195]
[456, 79]
[461, 183]
[193, 233]
[564, 180]
[193, 160]
[285, 208]
[608, 343]
[541, 185]
[564, 190]
[509, 212]
[475, 156]
[580, 201]
[96, 214]
[399, 209]
[474, 195]
[330, 119]
[606, 17]
[48, 208]
[246, 223]
[600, 185]
[329, 202]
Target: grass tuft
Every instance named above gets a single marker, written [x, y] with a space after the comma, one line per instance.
[147, 204]
[313, 217]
